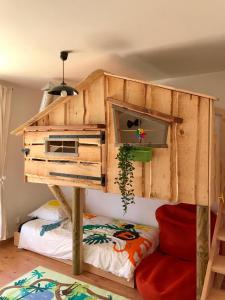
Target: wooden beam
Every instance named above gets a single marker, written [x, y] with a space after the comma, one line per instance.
[94, 270]
[147, 112]
[38, 116]
[65, 127]
[77, 208]
[202, 250]
[83, 85]
[58, 194]
[162, 86]
[60, 100]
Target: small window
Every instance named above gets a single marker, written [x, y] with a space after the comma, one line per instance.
[128, 122]
[61, 146]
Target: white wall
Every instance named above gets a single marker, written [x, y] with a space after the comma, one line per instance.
[143, 211]
[106, 204]
[21, 197]
[211, 84]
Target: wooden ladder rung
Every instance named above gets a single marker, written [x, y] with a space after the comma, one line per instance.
[215, 294]
[216, 263]
[219, 265]
[221, 234]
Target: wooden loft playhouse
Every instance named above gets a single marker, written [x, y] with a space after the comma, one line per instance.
[74, 142]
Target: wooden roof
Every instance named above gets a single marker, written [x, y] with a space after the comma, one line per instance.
[146, 112]
[84, 83]
[60, 100]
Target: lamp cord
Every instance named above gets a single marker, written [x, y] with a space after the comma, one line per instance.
[63, 73]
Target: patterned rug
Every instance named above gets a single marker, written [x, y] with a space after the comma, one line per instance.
[44, 284]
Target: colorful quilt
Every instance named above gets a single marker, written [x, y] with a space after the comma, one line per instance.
[44, 284]
[112, 245]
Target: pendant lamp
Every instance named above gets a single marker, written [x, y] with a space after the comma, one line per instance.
[63, 89]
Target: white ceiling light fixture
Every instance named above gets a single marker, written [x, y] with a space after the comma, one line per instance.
[63, 89]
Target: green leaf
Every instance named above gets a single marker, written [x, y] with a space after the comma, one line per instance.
[20, 282]
[50, 285]
[97, 239]
[37, 274]
[89, 227]
[125, 176]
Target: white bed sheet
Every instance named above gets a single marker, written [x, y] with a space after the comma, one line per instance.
[115, 255]
[56, 243]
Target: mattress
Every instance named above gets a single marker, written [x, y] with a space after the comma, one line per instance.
[113, 245]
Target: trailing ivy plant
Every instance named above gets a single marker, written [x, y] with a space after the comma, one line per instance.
[125, 176]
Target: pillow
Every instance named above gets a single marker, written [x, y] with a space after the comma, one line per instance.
[50, 211]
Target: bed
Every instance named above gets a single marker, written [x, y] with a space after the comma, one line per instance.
[111, 245]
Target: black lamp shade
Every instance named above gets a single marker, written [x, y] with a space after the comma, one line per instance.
[63, 90]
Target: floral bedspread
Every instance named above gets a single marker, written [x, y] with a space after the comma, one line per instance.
[117, 246]
[112, 245]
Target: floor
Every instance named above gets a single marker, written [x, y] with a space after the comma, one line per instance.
[15, 262]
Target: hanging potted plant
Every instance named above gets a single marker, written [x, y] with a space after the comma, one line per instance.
[127, 154]
[125, 176]
[140, 153]
[143, 154]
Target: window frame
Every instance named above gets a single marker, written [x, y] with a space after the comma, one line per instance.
[47, 140]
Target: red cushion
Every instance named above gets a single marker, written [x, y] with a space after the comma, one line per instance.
[177, 225]
[163, 277]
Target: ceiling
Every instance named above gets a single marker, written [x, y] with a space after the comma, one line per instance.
[142, 38]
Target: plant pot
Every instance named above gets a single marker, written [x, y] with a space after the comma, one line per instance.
[143, 154]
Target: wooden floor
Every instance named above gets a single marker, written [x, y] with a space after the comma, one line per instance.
[15, 262]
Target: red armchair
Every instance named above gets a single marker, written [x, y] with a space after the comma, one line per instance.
[170, 273]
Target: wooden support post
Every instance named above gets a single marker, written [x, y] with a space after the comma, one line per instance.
[58, 194]
[202, 248]
[77, 208]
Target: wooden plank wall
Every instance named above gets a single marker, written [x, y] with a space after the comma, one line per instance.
[39, 164]
[180, 172]
[219, 151]
[86, 108]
